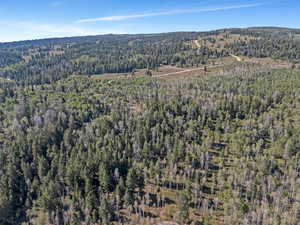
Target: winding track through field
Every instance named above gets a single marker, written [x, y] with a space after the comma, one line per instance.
[178, 72]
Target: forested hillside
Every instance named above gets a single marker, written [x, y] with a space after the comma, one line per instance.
[219, 147]
[45, 61]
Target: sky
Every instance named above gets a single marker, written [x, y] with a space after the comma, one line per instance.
[36, 19]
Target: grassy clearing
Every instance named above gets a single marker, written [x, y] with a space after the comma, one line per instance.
[169, 72]
[219, 41]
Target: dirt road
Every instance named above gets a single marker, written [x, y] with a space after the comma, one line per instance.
[178, 72]
[197, 43]
[236, 57]
[185, 71]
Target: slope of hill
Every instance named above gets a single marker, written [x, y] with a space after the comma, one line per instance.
[217, 146]
[218, 149]
[45, 61]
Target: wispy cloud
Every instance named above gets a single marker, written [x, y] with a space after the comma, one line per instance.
[162, 13]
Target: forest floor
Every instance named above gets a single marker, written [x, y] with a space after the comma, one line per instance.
[166, 213]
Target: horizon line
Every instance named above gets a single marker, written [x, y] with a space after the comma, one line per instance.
[182, 31]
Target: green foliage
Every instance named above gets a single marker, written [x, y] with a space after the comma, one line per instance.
[223, 147]
[183, 207]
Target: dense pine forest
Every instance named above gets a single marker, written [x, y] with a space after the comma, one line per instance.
[218, 147]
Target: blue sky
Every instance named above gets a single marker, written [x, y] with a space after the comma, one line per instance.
[34, 19]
